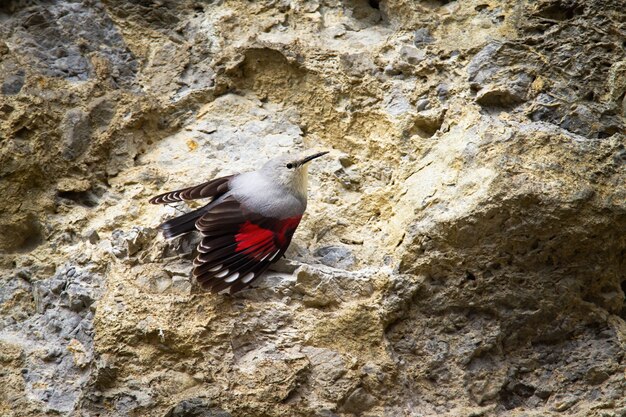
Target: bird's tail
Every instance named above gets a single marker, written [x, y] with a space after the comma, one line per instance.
[182, 224]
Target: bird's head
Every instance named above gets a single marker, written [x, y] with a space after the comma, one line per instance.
[290, 171]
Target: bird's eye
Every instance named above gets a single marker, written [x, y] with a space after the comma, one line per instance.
[289, 165]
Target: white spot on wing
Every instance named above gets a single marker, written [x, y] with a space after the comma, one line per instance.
[216, 268]
[222, 274]
[248, 277]
[232, 277]
[274, 256]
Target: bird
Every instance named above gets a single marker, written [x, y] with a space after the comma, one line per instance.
[247, 225]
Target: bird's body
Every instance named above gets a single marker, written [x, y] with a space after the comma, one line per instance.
[247, 225]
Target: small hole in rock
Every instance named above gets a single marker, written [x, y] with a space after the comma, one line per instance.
[561, 12]
[84, 198]
[608, 132]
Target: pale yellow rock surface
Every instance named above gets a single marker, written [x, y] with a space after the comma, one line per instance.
[464, 248]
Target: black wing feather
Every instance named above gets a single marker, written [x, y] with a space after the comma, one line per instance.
[207, 189]
[221, 262]
[187, 222]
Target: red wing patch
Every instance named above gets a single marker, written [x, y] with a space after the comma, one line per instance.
[253, 240]
[259, 242]
[287, 229]
[238, 245]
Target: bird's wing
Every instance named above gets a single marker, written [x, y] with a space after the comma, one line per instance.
[238, 245]
[207, 189]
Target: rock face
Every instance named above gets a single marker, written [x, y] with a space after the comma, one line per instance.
[464, 250]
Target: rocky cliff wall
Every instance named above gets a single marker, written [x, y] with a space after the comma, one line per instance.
[464, 250]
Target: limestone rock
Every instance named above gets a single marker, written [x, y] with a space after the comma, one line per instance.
[463, 251]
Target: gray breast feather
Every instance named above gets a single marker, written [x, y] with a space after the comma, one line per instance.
[258, 194]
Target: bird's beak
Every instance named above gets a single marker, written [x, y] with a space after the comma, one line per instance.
[310, 158]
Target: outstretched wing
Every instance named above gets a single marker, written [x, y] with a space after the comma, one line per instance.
[238, 245]
[207, 189]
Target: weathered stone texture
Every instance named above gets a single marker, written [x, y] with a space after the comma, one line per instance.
[464, 249]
